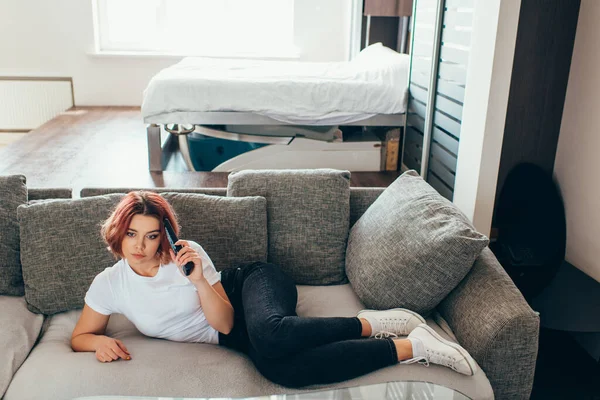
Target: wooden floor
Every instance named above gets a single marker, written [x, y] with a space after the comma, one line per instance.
[7, 138]
[106, 147]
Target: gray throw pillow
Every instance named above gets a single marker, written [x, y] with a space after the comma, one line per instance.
[308, 214]
[13, 193]
[62, 250]
[232, 231]
[410, 248]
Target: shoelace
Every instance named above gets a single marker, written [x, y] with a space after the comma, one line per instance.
[424, 361]
[439, 358]
[393, 325]
[383, 334]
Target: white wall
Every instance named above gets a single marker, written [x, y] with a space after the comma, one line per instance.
[56, 38]
[491, 57]
[578, 155]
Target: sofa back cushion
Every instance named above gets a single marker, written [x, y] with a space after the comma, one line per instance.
[308, 214]
[13, 192]
[63, 250]
[35, 194]
[232, 231]
[361, 199]
[410, 248]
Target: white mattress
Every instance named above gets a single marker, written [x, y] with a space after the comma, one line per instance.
[307, 93]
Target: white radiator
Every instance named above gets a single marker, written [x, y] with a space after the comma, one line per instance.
[27, 103]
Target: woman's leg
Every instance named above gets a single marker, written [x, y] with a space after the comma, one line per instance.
[339, 361]
[269, 299]
[333, 362]
[295, 351]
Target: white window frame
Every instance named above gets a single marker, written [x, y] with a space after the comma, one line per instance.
[101, 48]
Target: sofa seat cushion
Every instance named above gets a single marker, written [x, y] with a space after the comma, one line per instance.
[410, 248]
[169, 369]
[308, 215]
[19, 329]
[13, 192]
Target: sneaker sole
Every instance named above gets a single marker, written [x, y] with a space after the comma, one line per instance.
[455, 346]
[414, 314]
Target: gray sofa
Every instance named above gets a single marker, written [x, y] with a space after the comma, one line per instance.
[485, 313]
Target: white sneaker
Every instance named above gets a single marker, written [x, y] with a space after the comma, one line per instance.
[429, 347]
[394, 322]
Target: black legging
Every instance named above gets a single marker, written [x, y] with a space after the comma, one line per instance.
[290, 350]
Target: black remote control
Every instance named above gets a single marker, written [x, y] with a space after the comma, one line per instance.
[187, 268]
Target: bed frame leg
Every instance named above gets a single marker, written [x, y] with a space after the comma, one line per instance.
[154, 148]
[392, 149]
[184, 148]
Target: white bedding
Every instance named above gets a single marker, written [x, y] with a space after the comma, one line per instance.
[307, 93]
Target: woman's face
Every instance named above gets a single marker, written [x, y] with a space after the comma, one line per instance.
[142, 240]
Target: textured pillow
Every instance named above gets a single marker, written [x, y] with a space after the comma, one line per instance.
[308, 218]
[13, 192]
[231, 230]
[62, 250]
[410, 248]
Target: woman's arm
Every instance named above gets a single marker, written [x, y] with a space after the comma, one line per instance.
[216, 305]
[213, 299]
[89, 328]
[85, 342]
[88, 335]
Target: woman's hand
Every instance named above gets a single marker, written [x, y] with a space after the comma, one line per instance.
[110, 349]
[185, 255]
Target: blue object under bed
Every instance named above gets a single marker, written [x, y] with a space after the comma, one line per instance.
[208, 152]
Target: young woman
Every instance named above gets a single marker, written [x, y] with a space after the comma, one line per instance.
[251, 308]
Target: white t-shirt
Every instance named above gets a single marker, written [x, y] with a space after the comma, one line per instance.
[164, 306]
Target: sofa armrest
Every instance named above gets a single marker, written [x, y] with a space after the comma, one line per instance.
[492, 320]
[19, 330]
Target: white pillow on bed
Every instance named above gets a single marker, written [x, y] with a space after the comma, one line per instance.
[377, 52]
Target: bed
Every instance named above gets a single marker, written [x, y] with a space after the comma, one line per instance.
[274, 102]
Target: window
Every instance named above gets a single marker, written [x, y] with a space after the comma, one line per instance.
[263, 28]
